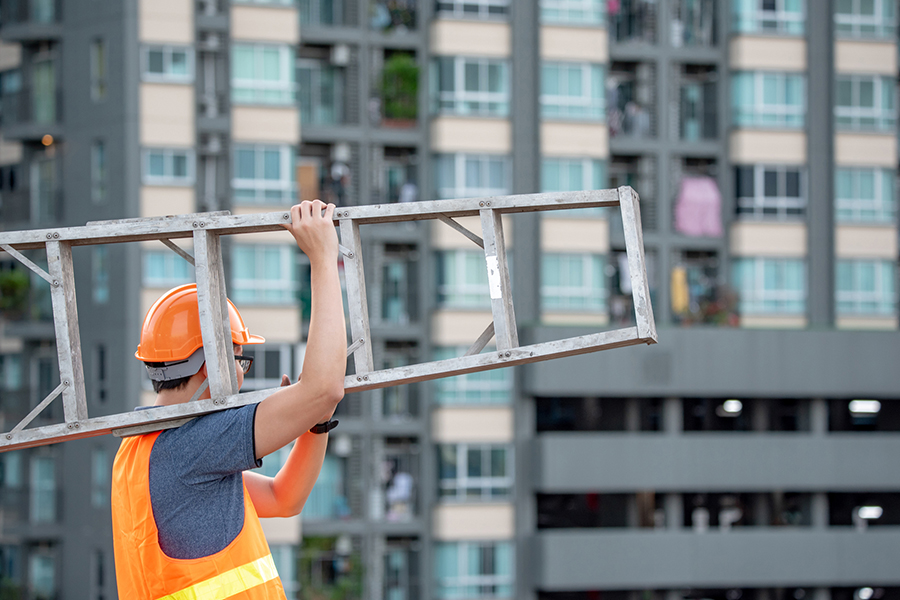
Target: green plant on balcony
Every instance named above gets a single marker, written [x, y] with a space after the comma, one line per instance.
[400, 88]
[13, 293]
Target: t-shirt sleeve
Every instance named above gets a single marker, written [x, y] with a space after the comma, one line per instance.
[212, 446]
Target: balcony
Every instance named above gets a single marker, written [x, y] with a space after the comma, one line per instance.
[31, 21]
[634, 22]
[30, 114]
[393, 16]
[641, 559]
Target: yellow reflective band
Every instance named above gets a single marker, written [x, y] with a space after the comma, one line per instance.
[229, 583]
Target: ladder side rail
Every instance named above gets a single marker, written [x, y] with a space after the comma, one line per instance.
[214, 320]
[358, 307]
[65, 322]
[637, 265]
[506, 334]
[164, 417]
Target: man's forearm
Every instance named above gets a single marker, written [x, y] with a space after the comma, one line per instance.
[326, 349]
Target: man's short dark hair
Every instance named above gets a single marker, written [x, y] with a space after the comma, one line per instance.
[172, 384]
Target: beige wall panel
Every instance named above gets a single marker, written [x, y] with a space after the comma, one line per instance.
[749, 146]
[574, 139]
[444, 237]
[773, 322]
[167, 115]
[453, 425]
[10, 56]
[160, 201]
[10, 345]
[458, 327]
[470, 38]
[10, 152]
[785, 240]
[588, 319]
[574, 44]
[866, 242]
[265, 24]
[265, 124]
[473, 522]
[852, 56]
[275, 238]
[282, 531]
[166, 21]
[455, 134]
[767, 53]
[574, 235]
[865, 150]
[866, 323]
[278, 324]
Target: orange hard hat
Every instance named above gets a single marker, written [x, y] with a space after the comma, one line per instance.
[171, 328]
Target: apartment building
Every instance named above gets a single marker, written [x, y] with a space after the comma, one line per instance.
[748, 455]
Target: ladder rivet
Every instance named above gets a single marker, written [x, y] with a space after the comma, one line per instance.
[481, 204]
[195, 223]
[202, 224]
[9, 436]
[49, 236]
[70, 426]
[366, 377]
[359, 378]
[55, 283]
[55, 235]
[76, 425]
[507, 354]
[66, 383]
[286, 217]
[487, 203]
[349, 255]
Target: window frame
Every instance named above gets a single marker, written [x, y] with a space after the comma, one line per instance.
[99, 69]
[568, 107]
[168, 179]
[848, 210]
[99, 171]
[286, 365]
[884, 118]
[166, 76]
[171, 278]
[459, 100]
[463, 584]
[588, 13]
[759, 202]
[484, 385]
[285, 86]
[457, 488]
[248, 290]
[883, 297]
[459, 163]
[782, 19]
[317, 68]
[849, 25]
[286, 184]
[559, 298]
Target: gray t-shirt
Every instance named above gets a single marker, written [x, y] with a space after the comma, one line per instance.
[196, 484]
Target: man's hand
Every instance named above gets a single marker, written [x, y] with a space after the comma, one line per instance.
[313, 228]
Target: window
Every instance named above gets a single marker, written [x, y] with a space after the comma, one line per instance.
[770, 285]
[471, 175]
[474, 472]
[46, 193]
[264, 274]
[43, 489]
[100, 474]
[270, 362]
[573, 12]
[462, 279]
[572, 175]
[865, 18]
[285, 557]
[169, 167]
[865, 102]
[42, 575]
[573, 282]
[264, 175]
[98, 70]
[43, 106]
[473, 9]
[775, 16]
[865, 195]
[321, 90]
[321, 12]
[100, 269]
[11, 463]
[572, 91]
[165, 269]
[485, 387]
[328, 499]
[474, 570]
[168, 64]
[10, 372]
[865, 287]
[472, 86]
[761, 99]
[262, 74]
[99, 175]
[770, 192]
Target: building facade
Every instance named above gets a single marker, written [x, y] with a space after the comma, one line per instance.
[747, 455]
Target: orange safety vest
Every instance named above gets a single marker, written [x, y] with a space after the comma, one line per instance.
[244, 569]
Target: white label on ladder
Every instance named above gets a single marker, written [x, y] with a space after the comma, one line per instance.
[493, 269]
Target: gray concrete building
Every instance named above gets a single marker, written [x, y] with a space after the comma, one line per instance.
[748, 455]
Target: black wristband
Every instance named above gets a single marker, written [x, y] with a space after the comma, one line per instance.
[324, 427]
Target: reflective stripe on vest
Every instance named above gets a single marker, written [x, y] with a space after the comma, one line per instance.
[229, 583]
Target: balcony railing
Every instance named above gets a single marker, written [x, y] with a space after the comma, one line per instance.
[34, 19]
[28, 114]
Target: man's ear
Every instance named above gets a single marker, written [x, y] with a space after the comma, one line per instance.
[202, 371]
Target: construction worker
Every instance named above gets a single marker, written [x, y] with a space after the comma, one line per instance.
[185, 503]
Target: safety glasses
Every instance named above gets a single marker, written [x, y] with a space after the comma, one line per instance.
[244, 362]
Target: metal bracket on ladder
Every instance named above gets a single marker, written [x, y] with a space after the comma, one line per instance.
[206, 230]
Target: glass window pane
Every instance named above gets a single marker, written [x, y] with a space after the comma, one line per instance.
[179, 64]
[155, 61]
[867, 94]
[157, 164]
[245, 164]
[243, 67]
[179, 165]
[272, 164]
[473, 462]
